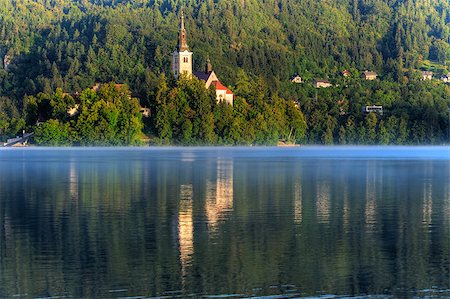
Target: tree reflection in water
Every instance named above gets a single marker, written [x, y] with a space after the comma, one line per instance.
[115, 223]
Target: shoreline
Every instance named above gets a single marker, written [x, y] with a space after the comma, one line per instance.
[299, 146]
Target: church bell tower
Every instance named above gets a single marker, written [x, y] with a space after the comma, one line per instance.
[182, 57]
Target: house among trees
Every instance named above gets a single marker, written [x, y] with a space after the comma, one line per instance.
[72, 111]
[369, 75]
[373, 108]
[320, 83]
[182, 64]
[346, 73]
[445, 78]
[427, 75]
[145, 112]
[296, 79]
[6, 62]
[97, 86]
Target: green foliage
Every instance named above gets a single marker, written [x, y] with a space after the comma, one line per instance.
[416, 113]
[56, 48]
[187, 113]
[10, 120]
[106, 117]
[53, 133]
[72, 44]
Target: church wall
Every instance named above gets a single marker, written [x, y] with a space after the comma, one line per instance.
[229, 98]
[182, 63]
[221, 95]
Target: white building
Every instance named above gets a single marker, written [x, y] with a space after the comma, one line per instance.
[182, 57]
[427, 75]
[446, 78]
[296, 79]
[319, 83]
[210, 78]
[182, 64]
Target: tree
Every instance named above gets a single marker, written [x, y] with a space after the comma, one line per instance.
[402, 136]
[108, 117]
[383, 134]
[371, 126]
[53, 133]
[296, 122]
[328, 137]
[10, 120]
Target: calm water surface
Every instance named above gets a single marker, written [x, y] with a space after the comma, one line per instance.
[218, 223]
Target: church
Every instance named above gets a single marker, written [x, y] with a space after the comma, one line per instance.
[182, 64]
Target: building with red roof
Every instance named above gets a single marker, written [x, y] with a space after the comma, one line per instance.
[223, 93]
[210, 78]
[182, 64]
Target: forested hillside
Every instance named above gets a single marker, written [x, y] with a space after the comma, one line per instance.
[50, 44]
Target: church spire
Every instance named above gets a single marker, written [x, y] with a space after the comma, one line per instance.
[182, 20]
[182, 57]
[208, 66]
[182, 39]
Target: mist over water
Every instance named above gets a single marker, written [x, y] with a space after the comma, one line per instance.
[234, 222]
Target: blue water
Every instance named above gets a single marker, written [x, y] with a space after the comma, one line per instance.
[300, 222]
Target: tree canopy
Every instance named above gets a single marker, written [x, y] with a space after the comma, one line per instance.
[255, 46]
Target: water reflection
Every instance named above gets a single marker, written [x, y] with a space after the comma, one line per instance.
[197, 222]
[345, 208]
[323, 202]
[370, 211]
[427, 206]
[73, 181]
[186, 227]
[298, 203]
[219, 198]
[446, 209]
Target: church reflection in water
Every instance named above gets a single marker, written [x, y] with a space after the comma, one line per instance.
[218, 206]
[186, 227]
[219, 195]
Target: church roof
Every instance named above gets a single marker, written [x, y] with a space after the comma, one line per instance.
[202, 75]
[219, 86]
[182, 37]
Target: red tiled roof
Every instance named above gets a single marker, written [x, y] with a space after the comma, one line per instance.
[219, 86]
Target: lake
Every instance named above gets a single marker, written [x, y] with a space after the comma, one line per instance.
[225, 222]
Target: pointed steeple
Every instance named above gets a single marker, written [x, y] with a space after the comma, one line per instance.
[182, 57]
[182, 39]
[208, 67]
[182, 20]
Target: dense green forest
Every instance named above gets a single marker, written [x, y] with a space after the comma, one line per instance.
[255, 47]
